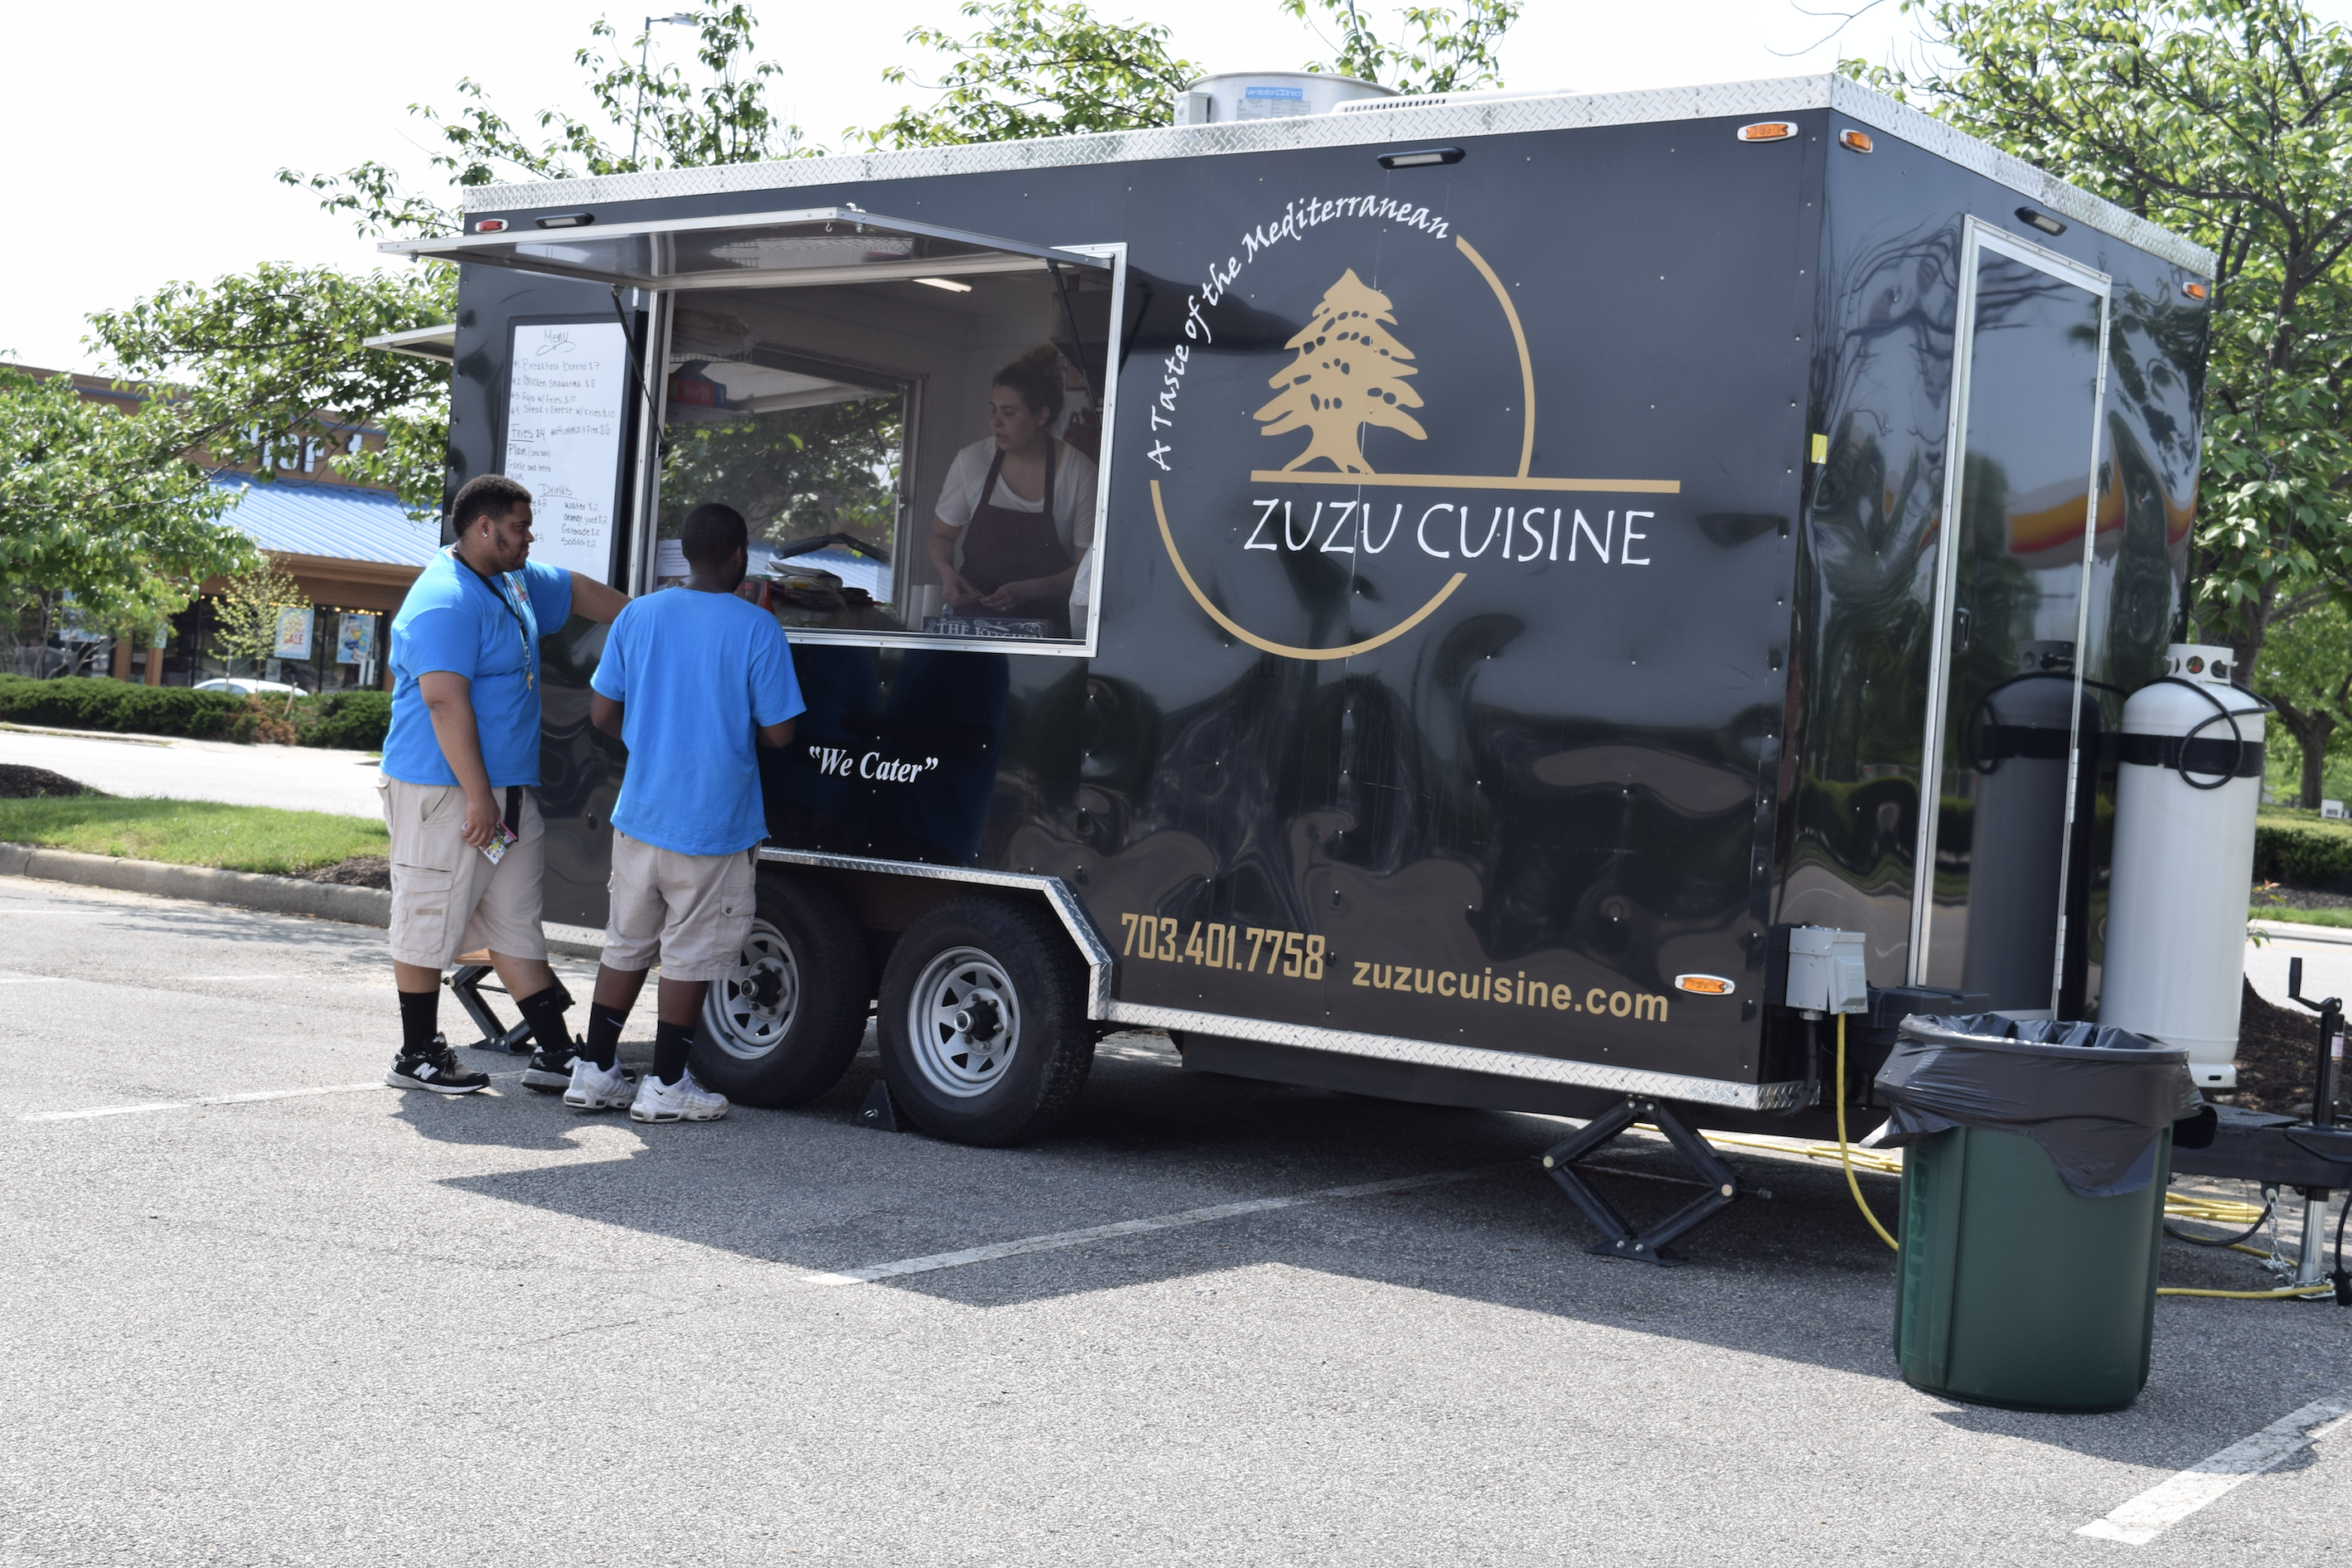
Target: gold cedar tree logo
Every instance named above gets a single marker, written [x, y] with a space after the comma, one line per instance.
[1350, 373]
[1349, 370]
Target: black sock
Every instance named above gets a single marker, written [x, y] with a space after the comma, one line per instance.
[420, 1012]
[543, 1010]
[671, 1044]
[603, 1045]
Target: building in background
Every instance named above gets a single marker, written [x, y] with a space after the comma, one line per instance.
[351, 549]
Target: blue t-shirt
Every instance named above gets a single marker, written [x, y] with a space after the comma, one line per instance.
[694, 672]
[453, 621]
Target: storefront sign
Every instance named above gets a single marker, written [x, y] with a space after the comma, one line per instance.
[564, 419]
[293, 633]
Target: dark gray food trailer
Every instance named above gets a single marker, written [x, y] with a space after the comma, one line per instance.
[1549, 547]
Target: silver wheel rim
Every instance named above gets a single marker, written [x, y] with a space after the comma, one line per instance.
[964, 1020]
[747, 1014]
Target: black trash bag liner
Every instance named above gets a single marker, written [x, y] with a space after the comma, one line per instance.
[2094, 1099]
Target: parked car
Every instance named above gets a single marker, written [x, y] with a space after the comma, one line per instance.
[247, 688]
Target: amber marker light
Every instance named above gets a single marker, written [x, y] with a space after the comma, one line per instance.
[1768, 130]
[1855, 141]
[2195, 291]
[1703, 984]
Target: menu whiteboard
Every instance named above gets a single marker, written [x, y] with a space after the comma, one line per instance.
[565, 415]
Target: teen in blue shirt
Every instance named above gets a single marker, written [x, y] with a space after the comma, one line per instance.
[690, 679]
[461, 758]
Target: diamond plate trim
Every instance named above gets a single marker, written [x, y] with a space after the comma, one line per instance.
[1101, 1005]
[1554, 111]
[1066, 905]
[1471, 1059]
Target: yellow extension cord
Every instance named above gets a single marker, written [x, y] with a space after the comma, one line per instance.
[2215, 1211]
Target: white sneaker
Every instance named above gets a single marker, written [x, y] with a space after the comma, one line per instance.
[594, 1089]
[685, 1100]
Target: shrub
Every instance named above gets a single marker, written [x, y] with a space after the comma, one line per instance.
[351, 720]
[101, 702]
[2304, 854]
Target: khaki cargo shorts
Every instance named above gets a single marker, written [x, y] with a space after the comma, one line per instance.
[692, 912]
[447, 897]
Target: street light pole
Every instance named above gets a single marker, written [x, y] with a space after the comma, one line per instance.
[645, 58]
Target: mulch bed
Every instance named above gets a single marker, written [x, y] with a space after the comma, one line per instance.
[358, 871]
[2277, 1049]
[2297, 897]
[18, 782]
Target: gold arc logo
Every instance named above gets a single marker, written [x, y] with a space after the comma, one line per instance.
[1169, 539]
[1519, 481]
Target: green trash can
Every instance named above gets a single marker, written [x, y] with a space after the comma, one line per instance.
[2035, 1159]
[2017, 1292]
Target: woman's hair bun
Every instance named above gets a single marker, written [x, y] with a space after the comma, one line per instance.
[1037, 379]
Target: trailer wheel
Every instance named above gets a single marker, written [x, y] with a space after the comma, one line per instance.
[782, 1029]
[983, 1024]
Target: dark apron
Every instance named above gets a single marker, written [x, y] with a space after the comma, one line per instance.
[1001, 546]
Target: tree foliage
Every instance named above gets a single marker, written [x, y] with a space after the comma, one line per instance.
[1037, 67]
[668, 120]
[1440, 50]
[100, 507]
[2230, 122]
[247, 615]
[793, 473]
[276, 356]
[2306, 671]
[1052, 67]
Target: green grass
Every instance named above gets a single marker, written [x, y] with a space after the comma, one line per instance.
[193, 832]
[2262, 912]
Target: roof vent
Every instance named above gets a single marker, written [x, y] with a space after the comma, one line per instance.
[1269, 95]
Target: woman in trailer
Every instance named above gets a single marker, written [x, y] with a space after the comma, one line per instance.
[1016, 516]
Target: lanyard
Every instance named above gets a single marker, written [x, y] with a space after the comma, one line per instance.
[522, 632]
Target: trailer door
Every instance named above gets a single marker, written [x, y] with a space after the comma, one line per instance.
[2005, 727]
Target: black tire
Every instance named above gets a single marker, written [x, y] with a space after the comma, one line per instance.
[996, 956]
[783, 1027]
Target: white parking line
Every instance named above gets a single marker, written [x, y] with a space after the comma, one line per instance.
[2159, 1508]
[1058, 1239]
[145, 1107]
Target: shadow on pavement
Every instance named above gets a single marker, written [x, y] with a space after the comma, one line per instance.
[1797, 1278]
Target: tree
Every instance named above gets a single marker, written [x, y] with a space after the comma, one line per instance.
[2306, 671]
[276, 357]
[1038, 68]
[1350, 373]
[671, 122]
[247, 613]
[1448, 54]
[795, 473]
[100, 508]
[1051, 68]
[2230, 120]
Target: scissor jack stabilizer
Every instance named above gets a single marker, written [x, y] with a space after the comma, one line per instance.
[1721, 1184]
[466, 985]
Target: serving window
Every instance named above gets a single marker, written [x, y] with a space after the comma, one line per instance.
[836, 377]
[855, 425]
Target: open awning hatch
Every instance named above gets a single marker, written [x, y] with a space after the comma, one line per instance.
[438, 343]
[765, 250]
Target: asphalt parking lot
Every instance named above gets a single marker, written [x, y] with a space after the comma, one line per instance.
[330, 1322]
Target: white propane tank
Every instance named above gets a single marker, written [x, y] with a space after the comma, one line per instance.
[1269, 95]
[2190, 782]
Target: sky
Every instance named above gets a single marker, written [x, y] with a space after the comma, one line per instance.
[161, 127]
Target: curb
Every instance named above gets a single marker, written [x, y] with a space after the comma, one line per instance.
[2294, 930]
[210, 885]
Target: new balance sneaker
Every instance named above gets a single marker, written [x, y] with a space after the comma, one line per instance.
[685, 1100]
[595, 1089]
[549, 1070]
[434, 1069]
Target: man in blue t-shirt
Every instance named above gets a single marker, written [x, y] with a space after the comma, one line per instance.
[460, 767]
[690, 679]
